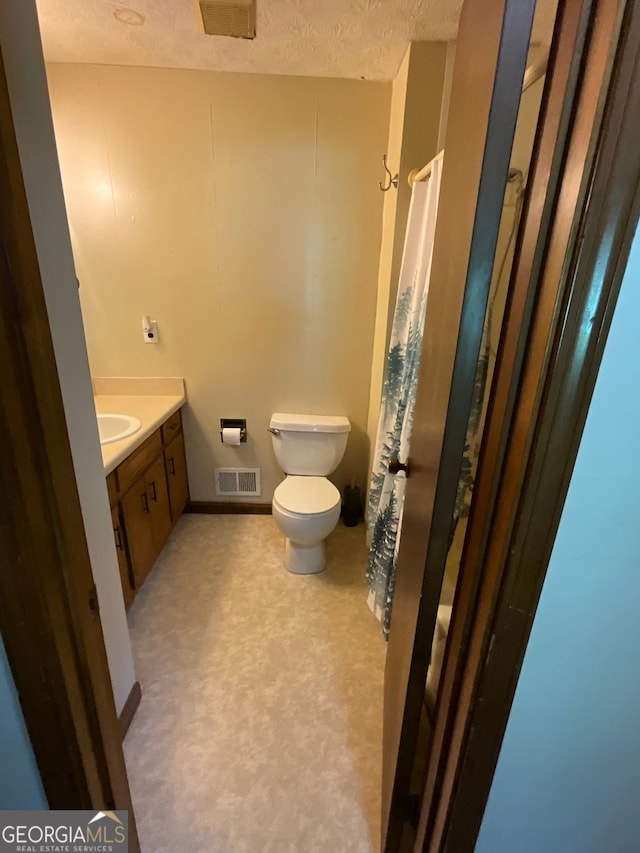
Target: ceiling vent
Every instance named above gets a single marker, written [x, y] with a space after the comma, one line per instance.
[220, 18]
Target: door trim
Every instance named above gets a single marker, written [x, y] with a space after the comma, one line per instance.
[560, 309]
[49, 617]
[129, 709]
[482, 119]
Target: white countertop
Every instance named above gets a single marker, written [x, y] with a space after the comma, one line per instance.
[140, 398]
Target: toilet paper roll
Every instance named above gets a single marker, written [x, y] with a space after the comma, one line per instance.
[231, 435]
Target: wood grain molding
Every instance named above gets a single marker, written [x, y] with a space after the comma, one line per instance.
[491, 55]
[554, 121]
[571, 253]
[227, 508]
[48, 620]
[130, 708]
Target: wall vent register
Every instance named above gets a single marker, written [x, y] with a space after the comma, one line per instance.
[236, 19]
[238, 481]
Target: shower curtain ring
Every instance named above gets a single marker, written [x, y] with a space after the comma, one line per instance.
[393, 180]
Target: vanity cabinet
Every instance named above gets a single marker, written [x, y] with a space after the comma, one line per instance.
[121, 551]
[139, 511]
[148, 492]
[176, 463]
[158, 502]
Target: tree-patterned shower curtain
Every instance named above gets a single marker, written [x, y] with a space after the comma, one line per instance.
[386, 492]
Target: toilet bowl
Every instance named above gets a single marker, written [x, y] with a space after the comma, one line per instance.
[306, 509]
[306, 505]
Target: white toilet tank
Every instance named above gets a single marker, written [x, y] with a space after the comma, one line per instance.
[310, 445]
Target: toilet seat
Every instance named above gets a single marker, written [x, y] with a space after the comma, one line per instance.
[305, 496]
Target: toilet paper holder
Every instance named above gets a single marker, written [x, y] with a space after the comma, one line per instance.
[235, 423]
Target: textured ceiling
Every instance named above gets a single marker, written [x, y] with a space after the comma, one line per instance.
[324, 38]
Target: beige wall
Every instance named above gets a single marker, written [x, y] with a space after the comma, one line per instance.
[242, 213]
[414, 129]
[394, 151]
[24, 67]
[422, 111]
[447, 82]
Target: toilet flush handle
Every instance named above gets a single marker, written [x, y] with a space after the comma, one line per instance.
[273, 431]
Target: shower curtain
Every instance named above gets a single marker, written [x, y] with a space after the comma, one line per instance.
[386, 492]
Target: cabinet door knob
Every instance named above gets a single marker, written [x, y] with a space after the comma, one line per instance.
[118, 536]
[154, 494]
[395, 466]
[145, 502]
[172, 466]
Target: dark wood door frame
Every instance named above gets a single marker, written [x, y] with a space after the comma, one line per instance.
[493, 43]
[573, 246]
[49, 615]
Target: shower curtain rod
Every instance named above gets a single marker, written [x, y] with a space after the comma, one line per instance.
[533, 73]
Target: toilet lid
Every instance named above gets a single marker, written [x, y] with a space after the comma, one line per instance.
[307, 495]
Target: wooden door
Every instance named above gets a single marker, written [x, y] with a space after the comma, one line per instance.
[158, 502]
[578, 224]
[136, 511]
[177, 476]
[123, 562]
[491, 56]
[492, 615]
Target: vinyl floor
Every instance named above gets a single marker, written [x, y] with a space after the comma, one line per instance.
[260, 725]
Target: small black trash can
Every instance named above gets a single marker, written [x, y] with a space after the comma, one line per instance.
[351, 506]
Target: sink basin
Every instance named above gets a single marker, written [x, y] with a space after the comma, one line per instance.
[115, 427]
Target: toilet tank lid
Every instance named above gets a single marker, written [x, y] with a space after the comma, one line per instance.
[309, 423]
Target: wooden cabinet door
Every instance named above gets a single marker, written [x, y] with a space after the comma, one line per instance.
[149, 508]
[123, 561]
[136, 510]
[158, 500]
[177, 476]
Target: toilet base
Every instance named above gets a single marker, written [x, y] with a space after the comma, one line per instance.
[304, 559]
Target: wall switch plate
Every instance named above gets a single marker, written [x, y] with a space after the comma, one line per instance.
[150, 330]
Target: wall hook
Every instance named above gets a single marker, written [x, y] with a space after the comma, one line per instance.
[393, 180]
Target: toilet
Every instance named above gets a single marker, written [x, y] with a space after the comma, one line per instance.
[306, 505]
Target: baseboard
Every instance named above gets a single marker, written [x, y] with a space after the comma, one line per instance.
[221, 508]
[130, 707]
